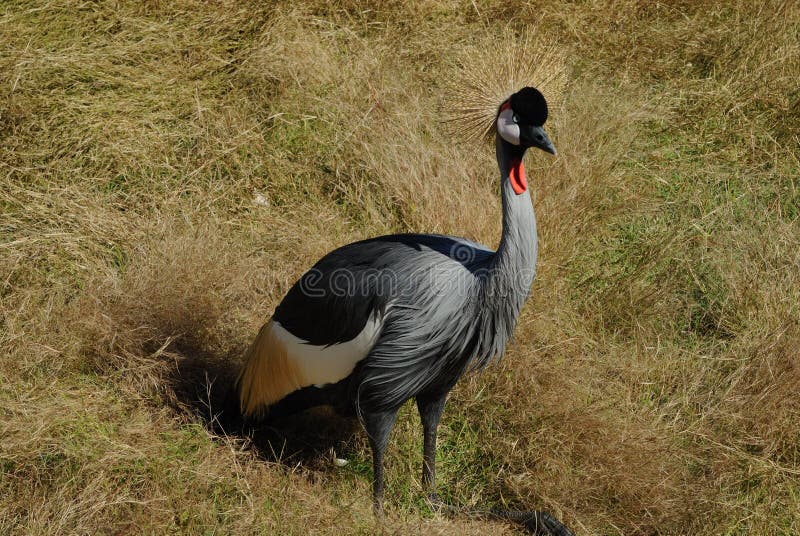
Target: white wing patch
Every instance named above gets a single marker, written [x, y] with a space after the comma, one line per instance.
[321, 365]
[278, 363]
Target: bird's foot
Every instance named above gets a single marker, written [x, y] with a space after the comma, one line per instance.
[377, 508]
[435, 503]
[439, 506]
[535, 521]
[540, 523]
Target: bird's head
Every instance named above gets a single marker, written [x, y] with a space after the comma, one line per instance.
[520, 121]
[520, 126]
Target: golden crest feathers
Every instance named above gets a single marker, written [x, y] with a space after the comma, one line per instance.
[487, 77]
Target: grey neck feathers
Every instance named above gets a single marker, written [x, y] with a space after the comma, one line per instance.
[516, 254]
[512, 269]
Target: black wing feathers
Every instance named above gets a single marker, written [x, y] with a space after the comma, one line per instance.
[332, 302]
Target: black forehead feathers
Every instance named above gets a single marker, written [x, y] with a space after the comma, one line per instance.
[529, 104]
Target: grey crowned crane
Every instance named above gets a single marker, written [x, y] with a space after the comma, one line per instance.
[378, 322]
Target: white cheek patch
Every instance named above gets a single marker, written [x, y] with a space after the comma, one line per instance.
[507, 128]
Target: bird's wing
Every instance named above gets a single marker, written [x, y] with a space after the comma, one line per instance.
[334, 314]
[334, 300]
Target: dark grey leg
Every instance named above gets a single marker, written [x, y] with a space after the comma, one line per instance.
[378, 426]
[430, 411]
[537, 522]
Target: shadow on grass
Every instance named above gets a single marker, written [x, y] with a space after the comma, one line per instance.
[200, 384]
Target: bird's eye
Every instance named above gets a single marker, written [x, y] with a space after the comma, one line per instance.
[515, 118]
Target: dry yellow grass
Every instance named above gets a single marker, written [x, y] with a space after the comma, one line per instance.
[167, 169]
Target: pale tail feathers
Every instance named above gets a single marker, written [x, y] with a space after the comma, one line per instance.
[269, 373]
[279, 363]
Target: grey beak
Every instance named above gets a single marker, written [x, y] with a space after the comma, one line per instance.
[540, 139]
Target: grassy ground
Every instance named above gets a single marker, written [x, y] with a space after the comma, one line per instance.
[167, 169]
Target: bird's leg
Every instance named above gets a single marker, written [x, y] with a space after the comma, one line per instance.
[378, 426]
[430, 411]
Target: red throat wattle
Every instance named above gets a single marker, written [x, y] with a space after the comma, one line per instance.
[517, 176]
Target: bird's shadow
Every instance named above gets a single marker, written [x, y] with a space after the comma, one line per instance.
[198, 385]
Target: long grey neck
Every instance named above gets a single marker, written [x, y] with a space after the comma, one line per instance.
[513, 267]
[515, 259]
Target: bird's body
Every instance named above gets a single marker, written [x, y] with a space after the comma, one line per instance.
[399, 315]
[378, 322]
